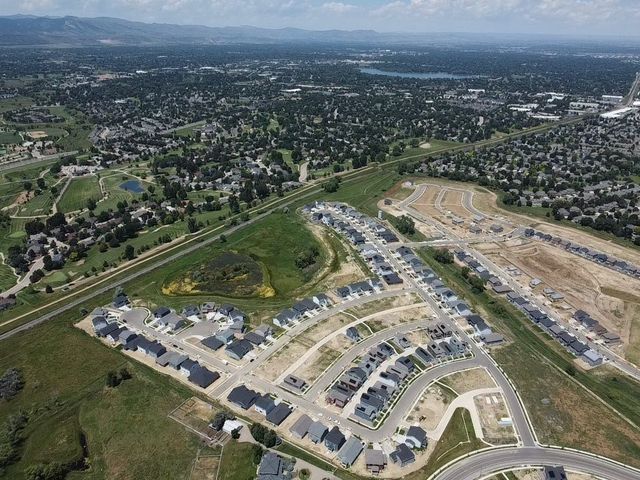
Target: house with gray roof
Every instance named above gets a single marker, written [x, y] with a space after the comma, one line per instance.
[402, 455]
[317, 432]
[279, 413]
[334, 440]
[416, 437]
[237, 349]
[375, 460]
[301, 426]
[350, 451]
[272, 467]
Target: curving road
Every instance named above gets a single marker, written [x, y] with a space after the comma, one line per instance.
[484, 463]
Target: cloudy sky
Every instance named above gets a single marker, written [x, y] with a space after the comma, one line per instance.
[584, 17]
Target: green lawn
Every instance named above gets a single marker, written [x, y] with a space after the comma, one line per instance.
[40, 204]
[8, 104]
[7, 138]
[79, 191]
[129, 435]
[237, 462]
[7, 278]
[112, 181]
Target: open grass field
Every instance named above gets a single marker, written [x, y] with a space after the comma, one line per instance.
[65, 395]
[258, 262]
[7, 277]
[599, 394]
[114, 193]
[8, 104]
[79, 191]
[237, 462]
[9, 138]
[457, 440]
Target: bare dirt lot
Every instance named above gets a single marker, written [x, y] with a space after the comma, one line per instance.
[384, 304]
[491, 409]
[429, 410]
[323, 358]
[468, 380]
[610, 297]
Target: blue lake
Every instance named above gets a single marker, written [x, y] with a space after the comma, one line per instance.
[132, 186]
[423, 76]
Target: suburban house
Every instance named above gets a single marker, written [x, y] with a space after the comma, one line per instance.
[416, 437]
[375, 460]
[279, 413]
[334, 439]
[286, 317]
[402, 455]
[317, 432]
[237, 349]
[273, 467]
[295, 382]
[350, 451]
[242, 397]
[264, 404]
[301, 427]
[203, 377]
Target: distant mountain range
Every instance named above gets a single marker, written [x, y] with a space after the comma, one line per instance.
[76, 31]
[27, 30]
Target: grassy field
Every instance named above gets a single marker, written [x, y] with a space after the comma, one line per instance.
[458, 439]
[534, 358]
[114, 193]
[237, 462]
[8, 138]
[7, 277]
[273, 243]
[8, 104]
[128, 432]
[79, 191]
[40, 204]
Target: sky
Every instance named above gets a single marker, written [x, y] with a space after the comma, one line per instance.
[573, 17]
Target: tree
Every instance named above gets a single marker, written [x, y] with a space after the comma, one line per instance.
[270, 439]
[112, 380]
[129, 252]
[91, 204]
[405, 225]
[48, 289]
[36, 276]
[443, 256]
[192, 225]
[234, 204]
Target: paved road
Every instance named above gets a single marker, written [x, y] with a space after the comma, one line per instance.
[633, 92]
[357, 350]
[29, 161]
[482, 464]
[518, 415]
[263, 355]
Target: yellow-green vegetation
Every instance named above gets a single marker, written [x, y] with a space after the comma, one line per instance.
[77, 194]
[271, 258]
[65, 397]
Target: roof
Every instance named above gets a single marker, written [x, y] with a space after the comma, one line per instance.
[402, 454]
[242, 396]
[350, 451]
[271, 466]
[212, 342]
[374, 457]
[278, 414]
[334, 436]
[203, 377]
[301, 426]
[317, 429]
[417, 433]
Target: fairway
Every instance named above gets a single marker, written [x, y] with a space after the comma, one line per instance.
[79, 191]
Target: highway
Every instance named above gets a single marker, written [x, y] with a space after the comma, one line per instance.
[633, 92]
[480, 465]
[28, 161]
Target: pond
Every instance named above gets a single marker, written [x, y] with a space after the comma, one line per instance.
[132, 186]
[424, 76]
